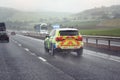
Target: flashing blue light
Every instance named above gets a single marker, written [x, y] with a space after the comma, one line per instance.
[56, 26]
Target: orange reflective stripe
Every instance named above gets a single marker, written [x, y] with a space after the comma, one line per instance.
[62, 42]
[70, 43]
[78, 43]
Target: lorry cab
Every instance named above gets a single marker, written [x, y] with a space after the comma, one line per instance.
[3, 34]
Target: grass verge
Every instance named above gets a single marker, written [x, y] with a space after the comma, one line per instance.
[102, 32]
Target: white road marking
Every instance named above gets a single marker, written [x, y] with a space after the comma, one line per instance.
[33, 54]
[19, 45]
[42, 59]
[104, 56]
[26, 49]
[114, 59]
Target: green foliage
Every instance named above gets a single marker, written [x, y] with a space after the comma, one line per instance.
[79, 24]
[110, 23]
[102, 32]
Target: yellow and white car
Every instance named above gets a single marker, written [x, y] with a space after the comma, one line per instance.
[64, 39]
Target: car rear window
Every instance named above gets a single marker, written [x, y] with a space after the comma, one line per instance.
[69, 33]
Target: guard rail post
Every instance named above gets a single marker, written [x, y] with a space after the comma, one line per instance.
[86, 40]
[105, 38]
[109, 44]
[96, 42]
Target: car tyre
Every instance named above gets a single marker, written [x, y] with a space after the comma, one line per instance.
[80, 52]
[46, 49]
[52, 51]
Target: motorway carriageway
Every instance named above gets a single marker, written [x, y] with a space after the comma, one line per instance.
[24, 58]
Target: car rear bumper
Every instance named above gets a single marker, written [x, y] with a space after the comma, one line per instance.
[68, 50]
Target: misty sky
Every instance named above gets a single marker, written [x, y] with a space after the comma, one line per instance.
[57, 5]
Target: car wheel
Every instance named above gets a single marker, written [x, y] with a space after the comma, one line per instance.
[46, 49]
[52, 51]
[80, 52]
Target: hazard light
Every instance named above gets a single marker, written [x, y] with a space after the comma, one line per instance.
[59, 38]
[79, 38]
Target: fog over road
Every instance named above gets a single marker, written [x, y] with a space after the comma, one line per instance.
[24, 58]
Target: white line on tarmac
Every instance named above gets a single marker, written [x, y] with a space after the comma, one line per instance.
[42, 59]
[114, 59]
[104, 56]
[33, 54]
[19, 45]
[27, 49]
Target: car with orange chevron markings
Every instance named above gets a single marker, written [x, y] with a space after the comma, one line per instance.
[64, 40]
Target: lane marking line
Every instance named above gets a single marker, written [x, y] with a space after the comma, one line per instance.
[19, 45]
[114, 59]
[26, 49]
[105, 56]
[33, 54]
[42, 59]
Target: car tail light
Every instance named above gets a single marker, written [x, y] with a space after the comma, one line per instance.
[59, 38]
[79, 38]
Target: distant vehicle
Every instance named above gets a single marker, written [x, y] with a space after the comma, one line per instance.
[4, 36]
[2, 26]
[3, 33]
[56, 26]
[13, 33]
[41, 28]
[64, 40]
